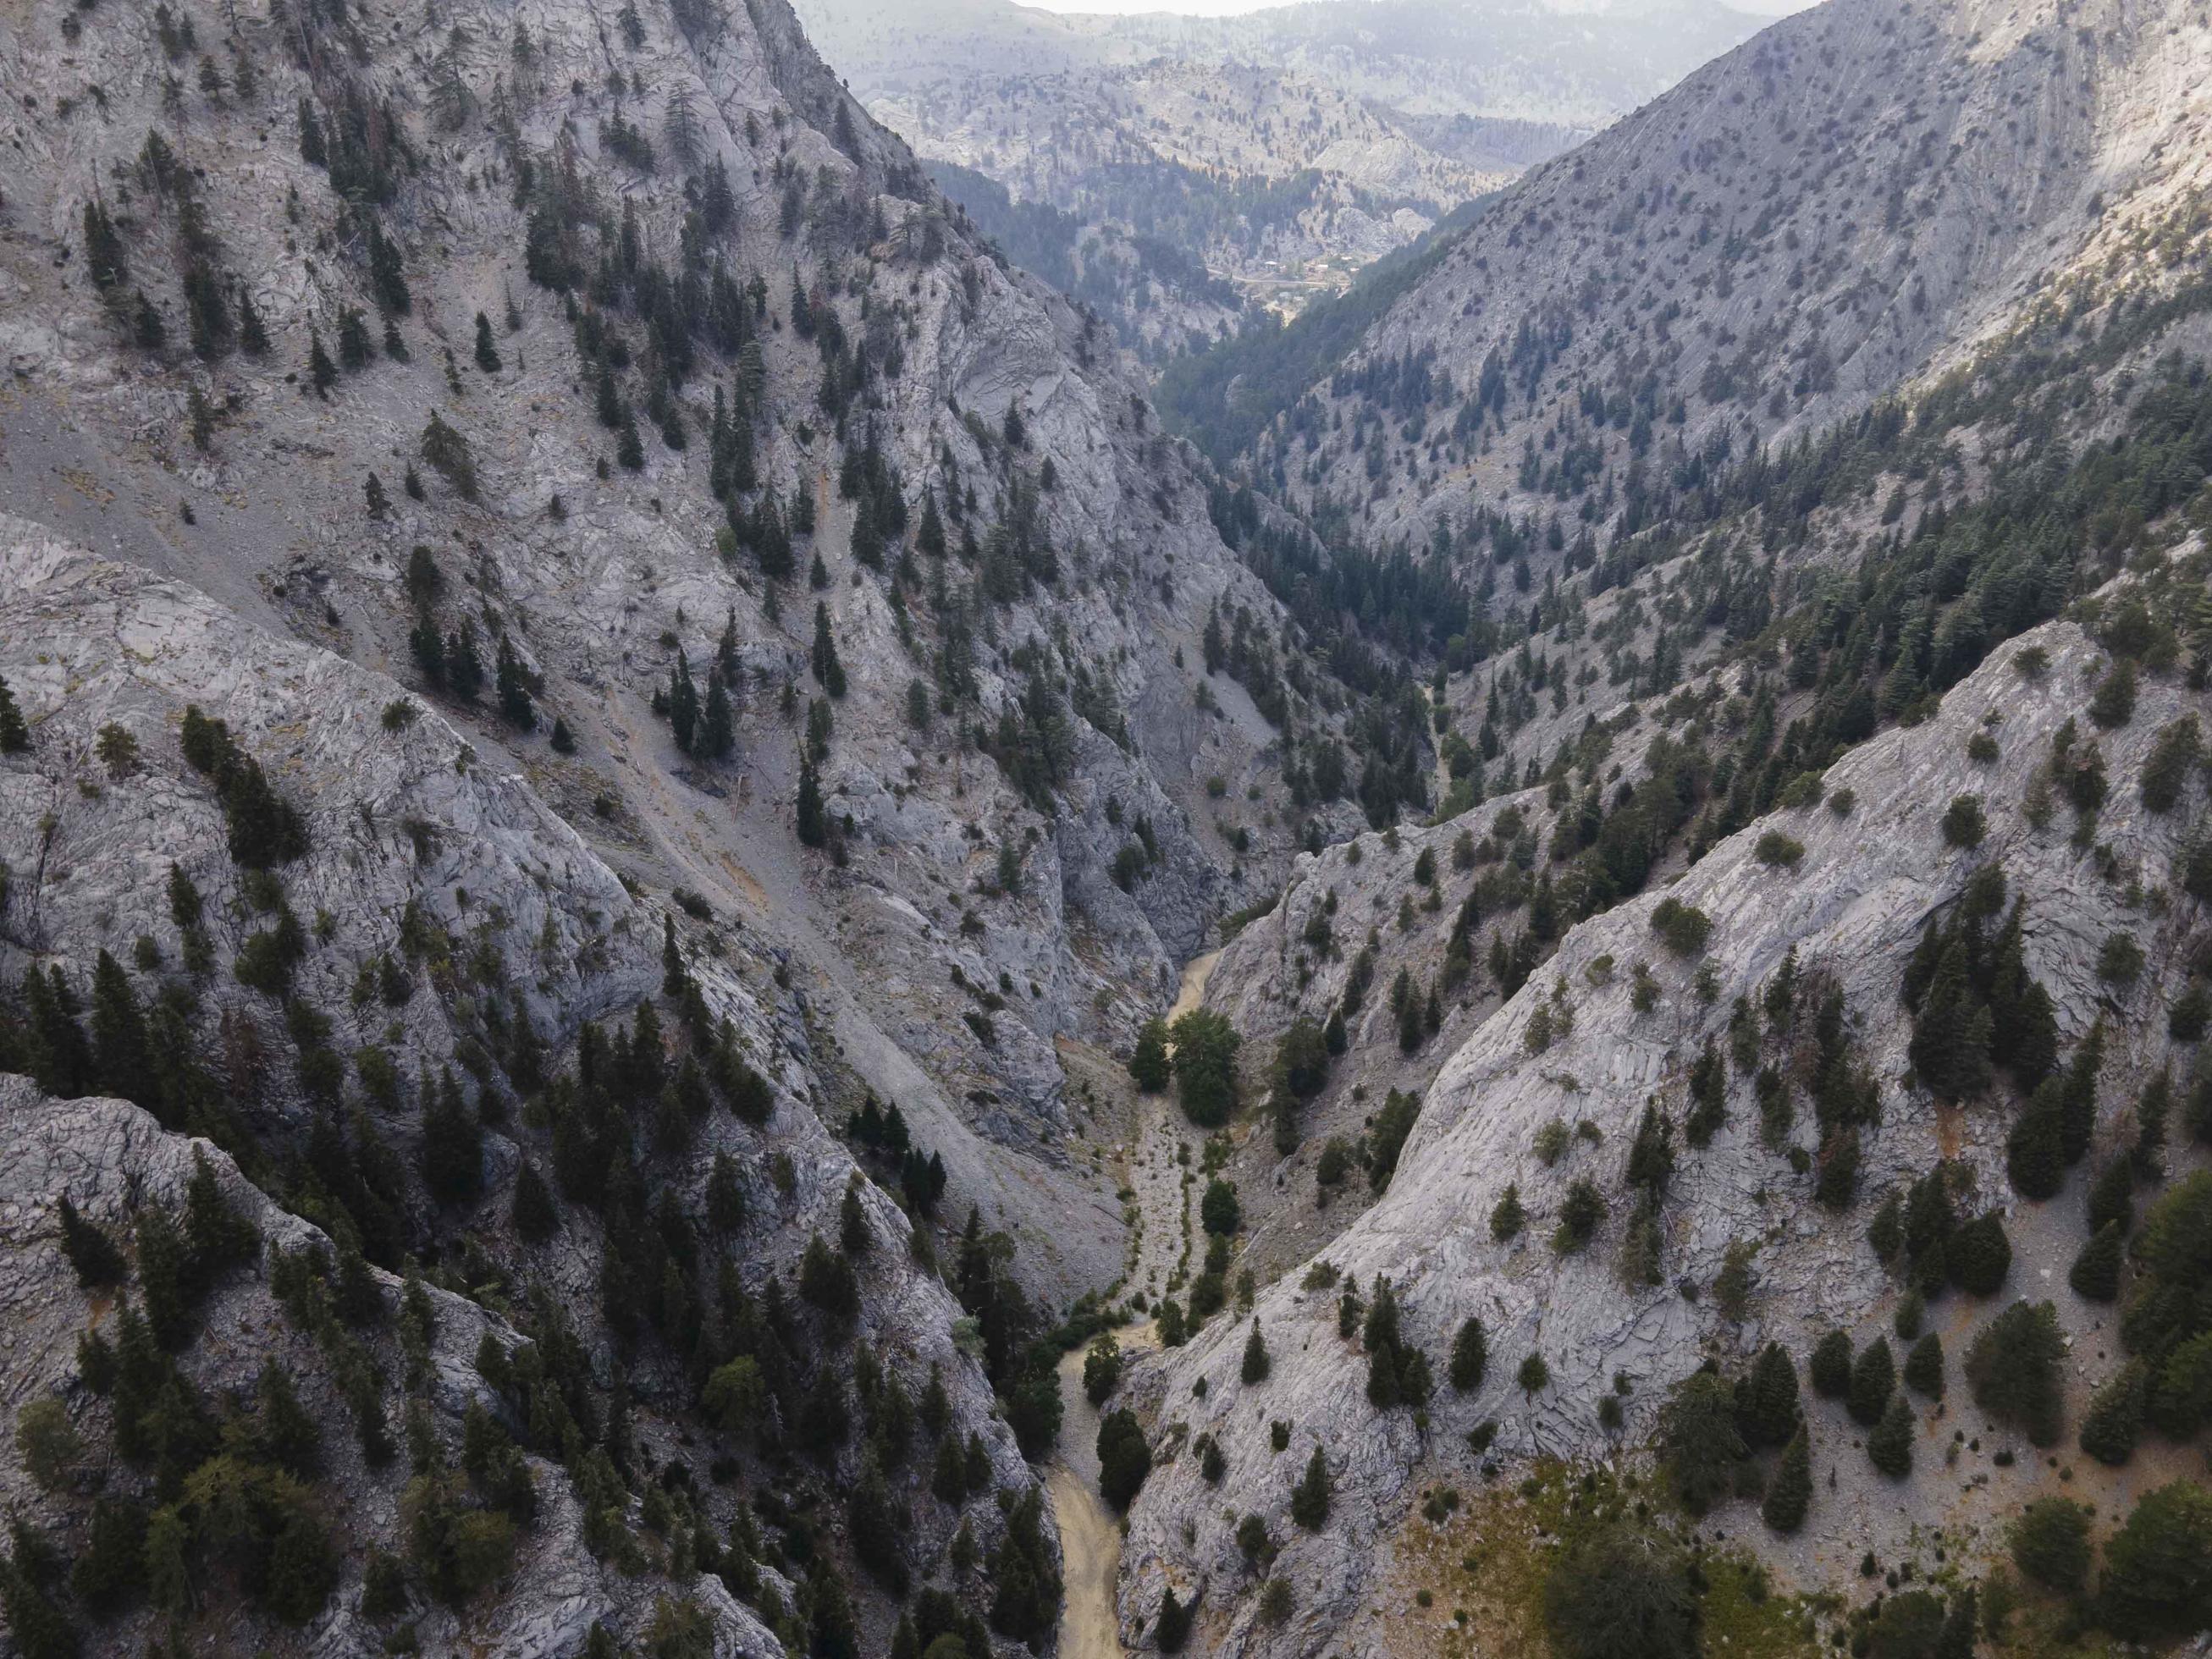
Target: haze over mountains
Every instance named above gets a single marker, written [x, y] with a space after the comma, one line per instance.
[1287, 148]
[765, 888]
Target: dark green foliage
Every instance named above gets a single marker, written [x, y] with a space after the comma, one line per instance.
[1963, 822]
[1124, 1458]
[1256, 1362]
[453, 1142]
[1148, 1062]
[264, 830]
[1386, 1138]
[535, 1216]
[1205, 1063]
[2035, 1154]
[1218, 1212]
[1682, 927]
[1700, 1445]
[39, 1628]
[1790, 1493]
[1171, 1625]
[1470, 1356]
[1874, 1376]
[15, 735]
[1507, 1217]
[1923, 1367]
[2181, 1403]
[1310, 1497]
[2095, 1275]
[1766, 1401]
[2158, 1567]
[1830, 1367]
[1026, 1599]
[1889, 1444]
[2014, 1370]
[2114, 1420]
[90, 1251]
[2113, 703]
[1978, 1255]
[1622, 1594]
[2050, 1542]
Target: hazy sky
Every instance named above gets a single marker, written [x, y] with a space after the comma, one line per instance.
[1226, 7]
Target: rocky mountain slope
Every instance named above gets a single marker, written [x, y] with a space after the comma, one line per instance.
[646, 556]
[1554, 1097]
[1866, 195]
[1288, 146]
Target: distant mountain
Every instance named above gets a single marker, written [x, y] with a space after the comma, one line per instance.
[1286, 147]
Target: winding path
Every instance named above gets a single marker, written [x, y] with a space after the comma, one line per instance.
[1090, 1536]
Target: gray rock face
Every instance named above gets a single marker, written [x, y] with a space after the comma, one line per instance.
[1852, 911]
[599, 596]
[1800, 227]
[112, 1160]
[406, 822]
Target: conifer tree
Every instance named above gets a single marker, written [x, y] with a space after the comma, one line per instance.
[2035, 1157]
[1310, 1498]
[487, 357]
[118, 1035]
[91, 1252]
[827, 668]
[1768, 1409]
[1924, 1366]
[629, 450]
[536, 1217]
[812, 820]
[14, 736]
[2114, 1420]
[1470, 1356]
[2095, 1275]
[1889, 1446]
[1790, 1492]
[717, 732]
[1257, 1363]
[1873, 1374]
[1148, 1062]
[322, 373]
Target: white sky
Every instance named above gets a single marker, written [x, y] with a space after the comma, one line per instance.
[1227, 7]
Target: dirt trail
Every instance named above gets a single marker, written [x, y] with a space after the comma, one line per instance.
[1089, 1537]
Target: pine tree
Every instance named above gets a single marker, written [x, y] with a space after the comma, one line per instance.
[487, 357]
[1470, 1356]
[1924, 1366]
[1769, 1410]
[629, 450]
[90, 1251]
[14, 736]
[1790, 1492]
[1310, 1498]
[2077, 1120]
[1889, 1446]
[1874, 1376]
[717, 732]
[2035, 1157]
[1148, 1062]
[1508, 1217]
[2114, 1421]
[118, 1035]
[1950, 1038]
[1256, 1364]
[532, 1210]
[452, 1143]
[827, 668]
[1171, 1625]
[322, 373]
[516, 707]
[682, 700]
[2095, 1275]
[812, 820]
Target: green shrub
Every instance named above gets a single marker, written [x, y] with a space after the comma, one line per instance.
[1779, 851]
[2158, 1567]
[2014, 1370]
[2050, 1542]
[1963, 825]
[1682, 927]
[1622, 1594]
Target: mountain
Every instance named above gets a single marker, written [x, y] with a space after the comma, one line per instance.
[574, 639]
[1801, 474]
[1287, 147]
[1862, 197]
